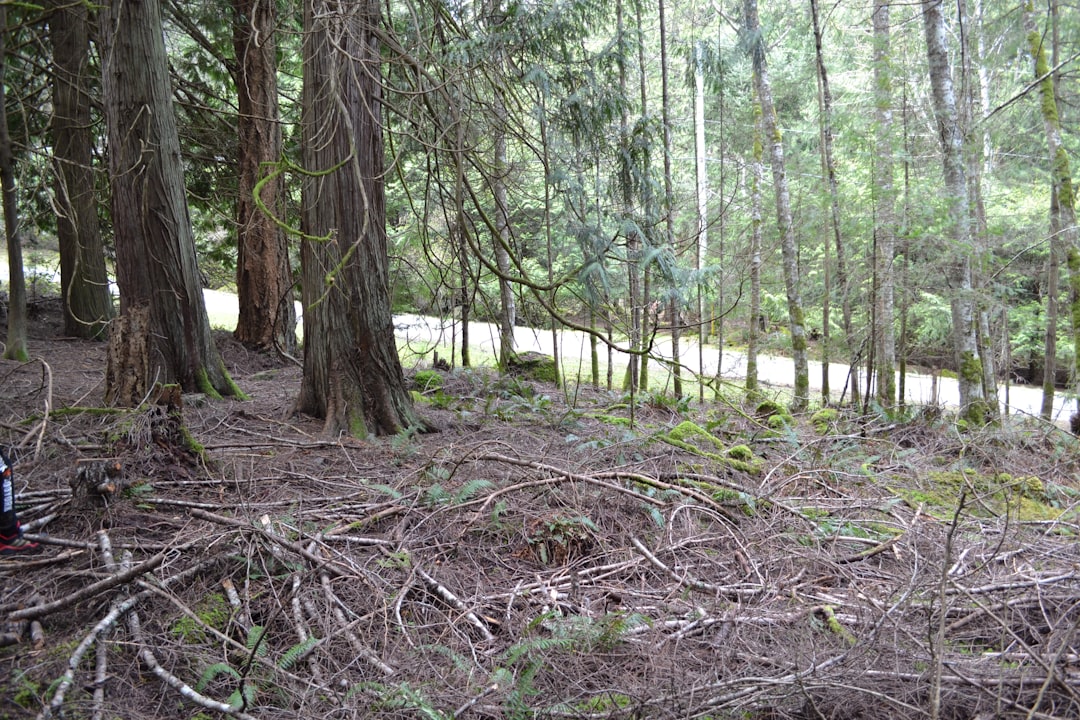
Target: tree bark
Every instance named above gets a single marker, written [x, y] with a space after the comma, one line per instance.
[1061, 176]
[263, 277]
[829, 166]
[973, 406]
[757, 176]
[885, 214]
[16, 348]
[788, 247]
[352, 375]
[675, 303]
[701, 191]
[1053, 293]
[84, 281]
[155, 247]
[507, 309]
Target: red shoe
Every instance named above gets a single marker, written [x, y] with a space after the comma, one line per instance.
[18, 545]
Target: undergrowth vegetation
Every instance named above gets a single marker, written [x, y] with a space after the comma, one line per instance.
[563, 553]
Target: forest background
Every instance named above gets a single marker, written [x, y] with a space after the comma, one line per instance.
[604, 167]
[242, 525]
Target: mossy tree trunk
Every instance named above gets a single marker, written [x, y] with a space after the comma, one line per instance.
[973, 406]
[352, 375]
[84, 281]
[1061, 176]
[788, 246]
[263, 277]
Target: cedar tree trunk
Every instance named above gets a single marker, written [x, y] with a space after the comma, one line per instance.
[84, 281]
[156, 268]
[352, 374]
[263, 276]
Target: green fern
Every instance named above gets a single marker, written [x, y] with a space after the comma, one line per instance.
[255, 640]
[212, 672]
[470, 489]
[297, 652]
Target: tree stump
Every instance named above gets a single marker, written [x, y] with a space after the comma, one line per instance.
[96, 480]
[128, 363]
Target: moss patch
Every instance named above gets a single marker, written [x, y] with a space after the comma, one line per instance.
[1023, 498]
[696, 439]
[213, 611]
[426, 380]
[536, 366]
[824, 420]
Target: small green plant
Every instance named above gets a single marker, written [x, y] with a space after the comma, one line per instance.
[213, 611]
[427, 380]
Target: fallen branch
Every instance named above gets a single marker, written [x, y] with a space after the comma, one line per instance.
[38, 611]
[452, 600]
[731, 591]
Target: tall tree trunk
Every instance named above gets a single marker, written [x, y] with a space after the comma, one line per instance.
[971, 108]
[156, 269]
[16, 348]
[885, 213]
[648, 208]
[352, 375]
[829, 166]
[789, 249]
[973, 406]
[674, 305]
[633, 240]
[507, 310]
[1053, 293]
[702, 191]
[84, 281]
[263, 276]
[1061, 176]
[757, 178]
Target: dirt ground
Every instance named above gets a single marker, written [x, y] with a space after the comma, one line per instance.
[546, 554]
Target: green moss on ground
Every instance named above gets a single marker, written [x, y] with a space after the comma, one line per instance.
[425, 380]
[686, 434]
[1025, 498]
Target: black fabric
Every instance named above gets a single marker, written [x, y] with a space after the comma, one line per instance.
[9, 524]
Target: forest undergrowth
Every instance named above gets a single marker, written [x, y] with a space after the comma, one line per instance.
[540, 556]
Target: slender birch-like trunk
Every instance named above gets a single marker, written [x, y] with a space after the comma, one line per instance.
[788, 247]
[973, 406]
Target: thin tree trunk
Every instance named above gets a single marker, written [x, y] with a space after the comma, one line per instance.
[702, 190]
[789, 249]
[1053, 274]
[648, 316]
[973, 406]
[674, 305]
[757, 174]
[16, 348]
[507, 310]
[829, 166]
[885, 215]
[970, 108]
[1061, 175]
[84, 281]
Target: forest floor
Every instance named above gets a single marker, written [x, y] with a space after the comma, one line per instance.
[543, 555]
